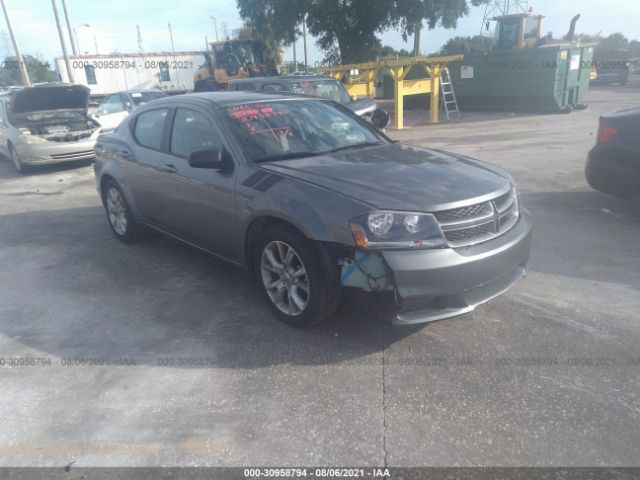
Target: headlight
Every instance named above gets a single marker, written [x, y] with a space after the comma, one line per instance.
[26, 136]
[397, 230]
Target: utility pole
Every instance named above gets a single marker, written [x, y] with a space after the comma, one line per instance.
[416, 40]
[173, 51]
[215, 28]
[206, 43]
[139, 39]
[23, 68]
[295, 58]
[304, 37]
[75, 38]
[74, 47]
[62, 44]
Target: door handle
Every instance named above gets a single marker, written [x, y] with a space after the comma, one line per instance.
[168, 167]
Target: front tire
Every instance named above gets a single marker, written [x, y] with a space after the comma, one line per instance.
[296, 277]
[17, 163]
[119, 214]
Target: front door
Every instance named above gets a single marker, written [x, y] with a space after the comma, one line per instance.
[196, 204]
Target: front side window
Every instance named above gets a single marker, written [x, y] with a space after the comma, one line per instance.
[148, 128]
[191, 132]
[271, 130]
[530, 27]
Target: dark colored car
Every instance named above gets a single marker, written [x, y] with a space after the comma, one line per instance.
[612, 66]
[614, 163]
[313, 86]
[311, 199]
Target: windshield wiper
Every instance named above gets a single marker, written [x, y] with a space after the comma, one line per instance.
[286, 156]
[354, 145]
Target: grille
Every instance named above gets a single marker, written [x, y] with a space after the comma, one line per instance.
[476, 210]
[470, 233]
[479, 222]
[69, 156]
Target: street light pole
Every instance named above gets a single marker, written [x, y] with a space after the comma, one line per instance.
[23, 68]
[62, 44]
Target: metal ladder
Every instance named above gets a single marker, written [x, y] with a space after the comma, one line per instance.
[447, 95]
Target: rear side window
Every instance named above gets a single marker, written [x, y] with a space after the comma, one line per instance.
[245, 86]
[191, 132]
[272, 88]
[148, 128]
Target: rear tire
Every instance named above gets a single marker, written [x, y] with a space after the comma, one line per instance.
[119, 216]
[296, 277]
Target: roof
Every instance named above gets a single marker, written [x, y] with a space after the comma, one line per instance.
[114, 55]
[282, 79]
[226, 99]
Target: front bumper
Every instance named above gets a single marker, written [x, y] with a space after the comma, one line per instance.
[56, 152]
[436, 284]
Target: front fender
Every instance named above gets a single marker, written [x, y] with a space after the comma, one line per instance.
[320, 214]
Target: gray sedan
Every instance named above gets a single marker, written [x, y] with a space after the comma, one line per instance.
[312, 199]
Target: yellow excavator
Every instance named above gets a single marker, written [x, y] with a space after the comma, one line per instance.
[230, 59]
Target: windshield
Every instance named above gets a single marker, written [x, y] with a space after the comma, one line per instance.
[140, 98]
[329, 88]
[284, 129]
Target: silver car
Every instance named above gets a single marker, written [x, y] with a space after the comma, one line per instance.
[116, 107]
[312, 199]
[46, 124]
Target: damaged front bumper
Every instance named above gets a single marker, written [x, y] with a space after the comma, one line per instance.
[441, 283]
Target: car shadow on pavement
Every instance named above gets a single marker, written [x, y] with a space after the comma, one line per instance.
[7, 169]
[574, 230]
[73, 290]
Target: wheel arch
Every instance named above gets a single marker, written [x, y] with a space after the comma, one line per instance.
[257, 227]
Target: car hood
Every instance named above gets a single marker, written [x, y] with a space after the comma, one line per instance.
[361, 106]
[400, 177]
[50, 97]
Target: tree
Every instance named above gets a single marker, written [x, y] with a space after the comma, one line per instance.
[38, 71]
[349, 28]
[461, 45]
[615, 41]
[388, 52]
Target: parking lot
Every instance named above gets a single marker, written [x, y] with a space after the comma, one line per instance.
[155, 354]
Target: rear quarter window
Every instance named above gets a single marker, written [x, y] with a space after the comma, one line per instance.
[149, 127]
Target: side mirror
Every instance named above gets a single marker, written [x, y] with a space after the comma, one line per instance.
[128, 106]
[379, 119]
[212, 158]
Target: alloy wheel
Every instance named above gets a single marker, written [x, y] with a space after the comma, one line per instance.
[117, 211]
[285, 278]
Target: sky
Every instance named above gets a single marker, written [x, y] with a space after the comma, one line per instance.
[111, 25]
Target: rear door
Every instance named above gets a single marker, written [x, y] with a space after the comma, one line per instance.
[196, 204]
[4, 126]
[142, 160]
